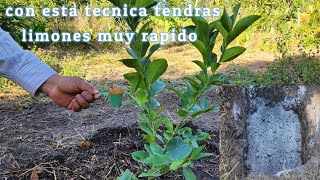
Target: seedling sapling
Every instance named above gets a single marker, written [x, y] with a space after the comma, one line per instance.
[176, 146]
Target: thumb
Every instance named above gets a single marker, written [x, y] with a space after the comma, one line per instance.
[85, 86]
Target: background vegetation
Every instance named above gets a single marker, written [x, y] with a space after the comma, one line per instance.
[289, 29]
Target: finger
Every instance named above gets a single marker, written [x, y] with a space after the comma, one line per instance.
[85, 86]
[82, 102]
[87, 96]
[97, 96]
[75, 106]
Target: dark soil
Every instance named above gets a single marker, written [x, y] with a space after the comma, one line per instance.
[39, 138]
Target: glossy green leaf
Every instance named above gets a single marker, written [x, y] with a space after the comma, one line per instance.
[176, 165]
[226, 21]
[188, 174]
[182, 113]
[158, 160]
[202, 155]
[132, 63]
[150, 173]
[202, 112]
[157, 87]
[194, 83]
[155, 70]
[202, 78]
[141, 97]
[235, 12]
[190, 29]
[202, 136]
[127, 175]
[150, 138]
[200, 46]
[145, 3]
[156, 149]
[201, 65]
[197, 150]
[134, 79]
[214, 67]
[139, 156]
[168, 124]
[241, 26]
[202, 31]
[204, 103]
[153, 49]
[144, 126]
[177, 149]
[132, 53]
[217, 25]
[231, 53]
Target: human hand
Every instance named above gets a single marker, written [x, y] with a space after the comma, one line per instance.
[70, 92]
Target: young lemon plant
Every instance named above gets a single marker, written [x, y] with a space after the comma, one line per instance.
[170, 147]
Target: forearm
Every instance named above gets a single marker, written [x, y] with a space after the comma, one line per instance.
[20, 66]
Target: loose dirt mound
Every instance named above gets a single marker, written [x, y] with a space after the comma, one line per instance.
[52, 142]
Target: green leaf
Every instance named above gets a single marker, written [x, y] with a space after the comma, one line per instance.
[141, 97]
[226, 21]
[127, 175]
[196, 108]
[214, 67]
[150, 173]
[182, 113]
[201, 65]
[134, 79]
[158, 160]
[202, 31]
[217, 25]
[200, 46]
[132, 53]
[176, 165]
[241, 26]
[155, 70]
[153, 49]
[160, 138]
[145, 3]
[204, 103]
[144, 126]
[190, 29]
[213, 59]
[201, 136]
[157, 87]
[150, 138]
[158, 123]
[177, 149]
[202, 112]
[116, 3]
[231, 53]
[202, 78]
[213, 39]
[167, 135]
[188, 174]
[139, 156]
[156, 149]
[168, 124]
[202, 155]
[143, 118]
[197, 151]
[194, 83]
[235, 13]
[132, 63]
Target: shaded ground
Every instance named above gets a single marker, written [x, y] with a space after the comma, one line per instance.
[39, 137]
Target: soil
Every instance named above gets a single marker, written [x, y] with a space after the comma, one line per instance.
[270, 132]
[39, 139]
